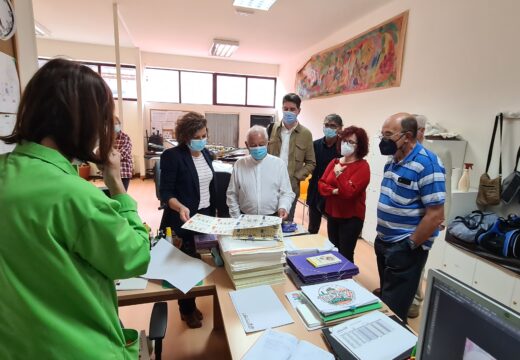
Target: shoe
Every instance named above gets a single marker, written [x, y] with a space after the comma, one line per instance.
[413, 312]
[377, 292]
[192, 320]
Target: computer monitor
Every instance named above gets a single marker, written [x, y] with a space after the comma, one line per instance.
[461, 323]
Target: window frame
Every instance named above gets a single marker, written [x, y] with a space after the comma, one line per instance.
[179, 84]
[215, 75]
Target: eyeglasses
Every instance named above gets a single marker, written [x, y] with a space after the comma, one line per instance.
[350, 142]
[389, 136]
[331, 126]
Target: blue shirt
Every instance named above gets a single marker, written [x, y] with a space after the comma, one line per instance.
[408, 187]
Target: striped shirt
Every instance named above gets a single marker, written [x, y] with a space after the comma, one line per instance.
[205, 177]
[408, 187]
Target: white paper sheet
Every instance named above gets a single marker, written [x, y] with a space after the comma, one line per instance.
[374, 336]
[9, 85]
[275, 345]
[259, 308]
[131, 284]
[7, 122]
[170, 264]
[225, 226]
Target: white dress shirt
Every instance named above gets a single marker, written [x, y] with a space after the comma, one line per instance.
[259, 187]
[286, 139]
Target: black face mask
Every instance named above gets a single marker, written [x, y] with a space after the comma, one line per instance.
[387, 146]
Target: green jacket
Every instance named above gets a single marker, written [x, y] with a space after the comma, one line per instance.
[62, 245]
[302, 160]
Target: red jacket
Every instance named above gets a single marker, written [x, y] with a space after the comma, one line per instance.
[351, 185]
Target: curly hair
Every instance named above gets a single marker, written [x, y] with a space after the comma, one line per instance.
[188, 125]
[362, 140]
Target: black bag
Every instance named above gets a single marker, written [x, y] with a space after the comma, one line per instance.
[503, 238]
[511, 184]
[468, 228]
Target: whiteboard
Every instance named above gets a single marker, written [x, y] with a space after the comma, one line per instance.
[164, 121]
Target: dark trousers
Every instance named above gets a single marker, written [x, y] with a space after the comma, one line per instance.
[399, 270]
[290, 217]
[343, 233]
[187, 306]
[126, 182]
[314, 220]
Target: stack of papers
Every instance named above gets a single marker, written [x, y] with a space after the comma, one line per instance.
[374, 336]
[309, 274]
[274, 345]
[258, 308]
[333, 302]
[227, 226]
[251, 263]
[307, 244]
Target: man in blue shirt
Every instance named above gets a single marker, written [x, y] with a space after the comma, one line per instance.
[409, 212]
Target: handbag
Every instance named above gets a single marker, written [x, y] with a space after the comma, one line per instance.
[468, 228]
[511, 184]
[489, 189]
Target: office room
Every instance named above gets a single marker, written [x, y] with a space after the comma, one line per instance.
[455, 63]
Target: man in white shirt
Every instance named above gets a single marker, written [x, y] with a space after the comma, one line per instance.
[260, 182]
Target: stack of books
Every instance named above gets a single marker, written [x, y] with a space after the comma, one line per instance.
[252, 262]
[333, 302]
[315, 268]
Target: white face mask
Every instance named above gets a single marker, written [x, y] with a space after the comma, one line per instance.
[346, 149]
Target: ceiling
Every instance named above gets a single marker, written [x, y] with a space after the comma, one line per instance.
[187, 27]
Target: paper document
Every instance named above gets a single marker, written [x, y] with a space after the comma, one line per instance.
[274, 345]
[225, 226]
[374, 336]
[170, 264]
[307, 244]
[131, 284]
[259, 308]
[9, 85]
[7, 122]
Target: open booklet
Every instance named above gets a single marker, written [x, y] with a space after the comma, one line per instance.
[274, 345]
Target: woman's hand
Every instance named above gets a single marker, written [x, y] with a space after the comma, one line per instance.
[112, 173]
[184, 213]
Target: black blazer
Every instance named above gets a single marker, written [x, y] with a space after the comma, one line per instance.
[179, 179]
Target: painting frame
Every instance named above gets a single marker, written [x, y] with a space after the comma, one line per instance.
[369, 61]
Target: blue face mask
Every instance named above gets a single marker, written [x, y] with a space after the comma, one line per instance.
[329, 133]
[258, 153]
[197, 144]
[117, 128]
[289, 117]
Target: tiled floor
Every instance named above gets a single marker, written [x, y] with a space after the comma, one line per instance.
[204, 343]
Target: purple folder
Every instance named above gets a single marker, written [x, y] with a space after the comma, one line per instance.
[205, 241]
[310, 274]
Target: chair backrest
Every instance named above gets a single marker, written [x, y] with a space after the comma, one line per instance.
[157, 178]
[304, 186]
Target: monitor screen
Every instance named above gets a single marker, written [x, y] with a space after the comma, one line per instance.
[461, 323]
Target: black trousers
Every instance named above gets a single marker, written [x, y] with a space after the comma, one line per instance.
[314, 220]
[400, 271]
[343, 233]
[126, 182]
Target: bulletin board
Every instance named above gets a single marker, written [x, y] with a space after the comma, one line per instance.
[9, 80]
[164, 122]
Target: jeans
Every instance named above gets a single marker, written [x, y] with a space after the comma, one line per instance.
[344, 233]
[400, 270]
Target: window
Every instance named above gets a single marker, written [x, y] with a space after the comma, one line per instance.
[231, 90]
[128, 83]
[260, 91]
[196, 88]
[161, 85]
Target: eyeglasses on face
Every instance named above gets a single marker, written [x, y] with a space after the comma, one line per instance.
[331, 126]
[389, 136]
[350, 142]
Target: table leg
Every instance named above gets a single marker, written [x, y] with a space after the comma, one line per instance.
[218, 322]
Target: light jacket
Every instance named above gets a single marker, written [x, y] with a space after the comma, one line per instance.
[62, 245]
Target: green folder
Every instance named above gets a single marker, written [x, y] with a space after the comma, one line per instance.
[167, 285]
[355, 311]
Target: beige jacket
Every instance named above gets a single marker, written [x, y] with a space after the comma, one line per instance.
[302, 160]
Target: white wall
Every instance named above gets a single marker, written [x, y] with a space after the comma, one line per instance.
[460, 68]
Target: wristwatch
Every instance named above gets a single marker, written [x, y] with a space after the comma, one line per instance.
[412, 244]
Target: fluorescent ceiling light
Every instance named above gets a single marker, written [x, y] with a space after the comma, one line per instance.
[41, 30]
[224, 48]
[254, 4]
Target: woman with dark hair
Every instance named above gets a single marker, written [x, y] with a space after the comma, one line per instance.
[343, 185]
[187, 188]
[63, 241]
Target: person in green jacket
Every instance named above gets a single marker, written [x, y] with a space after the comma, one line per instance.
[62, 241]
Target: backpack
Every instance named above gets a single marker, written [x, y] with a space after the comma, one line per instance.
[468, 228]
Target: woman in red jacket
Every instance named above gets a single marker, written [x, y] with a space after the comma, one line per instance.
[343, 185]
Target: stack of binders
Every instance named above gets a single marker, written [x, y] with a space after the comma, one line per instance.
[253, 262]
[302, 272]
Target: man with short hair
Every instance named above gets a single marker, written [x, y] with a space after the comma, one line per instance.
[292, 142]
[259, 183]
[409, 212]
[325, 150]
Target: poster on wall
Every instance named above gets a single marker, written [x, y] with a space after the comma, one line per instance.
[369, 61]
[7, 122]
[9, 85]
[164, 121]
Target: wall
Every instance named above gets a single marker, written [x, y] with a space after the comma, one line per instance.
[132, 123]
[460, 68]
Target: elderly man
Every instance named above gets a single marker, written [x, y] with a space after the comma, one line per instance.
[409, 213]
[260, 182]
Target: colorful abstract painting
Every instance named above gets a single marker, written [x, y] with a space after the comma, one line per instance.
[369, 61]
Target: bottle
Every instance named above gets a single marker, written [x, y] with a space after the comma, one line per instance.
[169, 235]
[464, 179]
